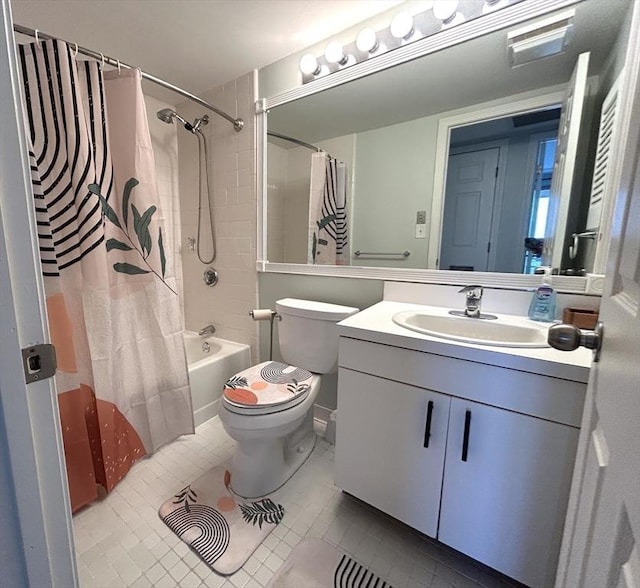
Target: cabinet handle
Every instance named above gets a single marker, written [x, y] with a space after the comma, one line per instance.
[465, 435]
[427, 427]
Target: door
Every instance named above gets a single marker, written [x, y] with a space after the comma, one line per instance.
[468, 210]
[601, 547]
[36, 478]
[390, 443]
[565, 169]
[501, 500]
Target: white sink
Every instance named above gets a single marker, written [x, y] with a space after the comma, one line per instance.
[503, 332]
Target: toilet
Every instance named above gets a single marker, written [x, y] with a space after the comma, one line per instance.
[268, 408]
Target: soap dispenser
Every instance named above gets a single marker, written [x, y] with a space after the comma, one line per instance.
[543, 302]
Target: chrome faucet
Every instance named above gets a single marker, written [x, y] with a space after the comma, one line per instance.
[474, 297]
[472, 309]
[208, 330]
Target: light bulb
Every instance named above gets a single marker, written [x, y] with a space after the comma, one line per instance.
[445, 9]
[334, 53]
[366, 41]
[458, 18]
[491, 5]
[402, 25]
[309, 65]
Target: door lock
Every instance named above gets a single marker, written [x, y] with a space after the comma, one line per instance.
[39, 362]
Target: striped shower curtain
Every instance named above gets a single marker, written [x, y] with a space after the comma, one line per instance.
[328, 211]
[114, 316]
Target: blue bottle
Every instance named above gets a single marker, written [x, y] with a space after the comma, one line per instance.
[543, 303]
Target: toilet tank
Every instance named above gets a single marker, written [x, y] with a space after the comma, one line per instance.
[308, 335]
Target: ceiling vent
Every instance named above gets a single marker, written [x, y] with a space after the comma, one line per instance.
[542, 39]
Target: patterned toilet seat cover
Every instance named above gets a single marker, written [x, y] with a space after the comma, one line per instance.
[267, 383]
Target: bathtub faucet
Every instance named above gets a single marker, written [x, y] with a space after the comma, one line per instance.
[208, 330]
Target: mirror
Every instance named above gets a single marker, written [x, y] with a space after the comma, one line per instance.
[397, 131]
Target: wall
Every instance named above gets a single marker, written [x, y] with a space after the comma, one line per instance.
[386, 203]
[232, 181]
[345, 291]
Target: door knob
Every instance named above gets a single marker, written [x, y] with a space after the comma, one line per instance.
[569, 337]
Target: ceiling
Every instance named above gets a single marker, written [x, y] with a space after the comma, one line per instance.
[195, 44]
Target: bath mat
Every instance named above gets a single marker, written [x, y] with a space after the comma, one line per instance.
[315, 564]
[223, 529]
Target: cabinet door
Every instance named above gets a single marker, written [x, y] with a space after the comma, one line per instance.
[381, 433]
[505, 505]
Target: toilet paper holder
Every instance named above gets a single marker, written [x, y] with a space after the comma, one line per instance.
[264, 314]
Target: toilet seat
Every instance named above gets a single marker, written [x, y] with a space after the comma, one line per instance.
[267, 388]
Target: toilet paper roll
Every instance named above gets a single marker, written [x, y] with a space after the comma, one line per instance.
[261, 314]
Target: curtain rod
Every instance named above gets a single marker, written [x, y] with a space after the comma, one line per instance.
[237, 123]
[296, 141]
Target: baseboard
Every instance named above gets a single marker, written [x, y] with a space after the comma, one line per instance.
[321, 418]
[204, 413]
[321, 414]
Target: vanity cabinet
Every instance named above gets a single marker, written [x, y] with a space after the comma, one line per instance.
[493, 482]
[394, 458]
[503, 500]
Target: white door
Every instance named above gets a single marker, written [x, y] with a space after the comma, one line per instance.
[468, 210]
[390, 444]
[565, 169]
[601, 547]
[36, 478]
[502, 495]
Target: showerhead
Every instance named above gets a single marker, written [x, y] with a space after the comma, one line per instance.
[167, 115]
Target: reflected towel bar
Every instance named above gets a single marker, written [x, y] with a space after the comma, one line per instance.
[374, 254]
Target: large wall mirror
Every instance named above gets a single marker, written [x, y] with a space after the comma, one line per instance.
[459, 159]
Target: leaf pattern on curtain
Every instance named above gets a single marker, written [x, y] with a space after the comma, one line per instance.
[141, 228]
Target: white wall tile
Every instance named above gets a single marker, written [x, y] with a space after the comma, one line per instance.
[232, 177]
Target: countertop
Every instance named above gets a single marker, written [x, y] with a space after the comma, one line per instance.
[375, 324]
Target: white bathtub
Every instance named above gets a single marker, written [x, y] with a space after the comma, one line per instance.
[208, 371]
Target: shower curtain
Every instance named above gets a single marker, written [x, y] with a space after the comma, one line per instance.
[114, 316]
[327, 211]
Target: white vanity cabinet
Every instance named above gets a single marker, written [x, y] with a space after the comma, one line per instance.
[394, 458]
[503, 499]
[494, 481]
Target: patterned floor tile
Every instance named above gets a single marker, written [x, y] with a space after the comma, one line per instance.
[121, 541]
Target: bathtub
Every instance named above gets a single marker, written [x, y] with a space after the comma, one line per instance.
[209, 370]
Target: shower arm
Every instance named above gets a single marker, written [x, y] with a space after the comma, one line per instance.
[238, 123]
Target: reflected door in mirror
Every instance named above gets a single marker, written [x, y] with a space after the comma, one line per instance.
[468, 211]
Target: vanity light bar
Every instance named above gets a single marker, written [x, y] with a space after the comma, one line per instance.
[404, 28]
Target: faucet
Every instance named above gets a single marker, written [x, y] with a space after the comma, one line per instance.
[474, 297]
[208, 330]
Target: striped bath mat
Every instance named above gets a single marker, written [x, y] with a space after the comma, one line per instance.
[316, 564]
[222, 528]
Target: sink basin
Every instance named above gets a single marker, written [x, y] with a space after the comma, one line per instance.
[504, 332]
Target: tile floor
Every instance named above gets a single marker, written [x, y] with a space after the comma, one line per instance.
[120, 540]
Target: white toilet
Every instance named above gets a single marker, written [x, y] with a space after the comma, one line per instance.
[268, 408]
